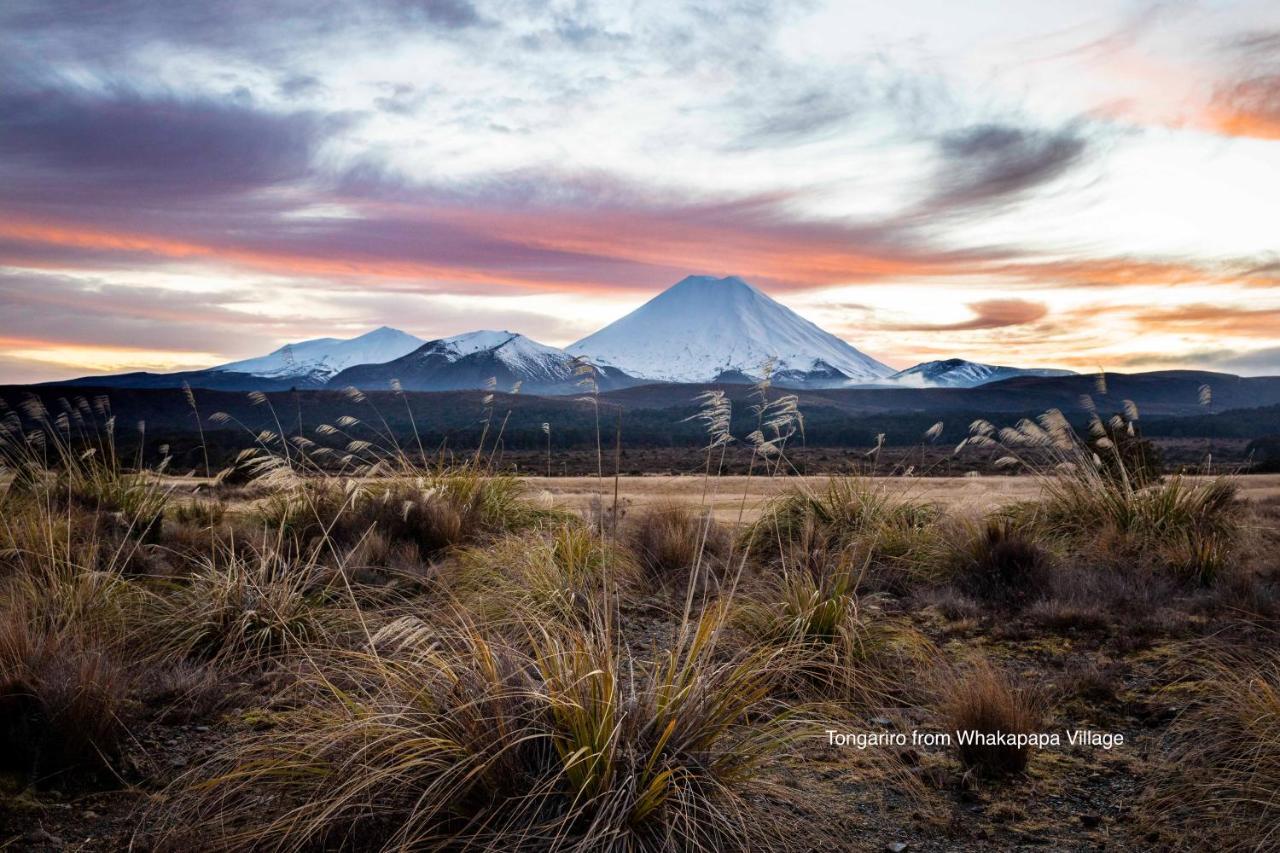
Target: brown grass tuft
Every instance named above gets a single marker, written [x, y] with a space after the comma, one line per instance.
[981, 698]
[1218, 786]
[66, 667]
[671, 539]
[1001, 566]
[442, 739]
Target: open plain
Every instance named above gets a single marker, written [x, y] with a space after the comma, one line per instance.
[731, 495]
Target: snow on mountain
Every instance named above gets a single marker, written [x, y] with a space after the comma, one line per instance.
[468, 361]
[482, 339]
[959, 373]
[704, 327]
[321, 358]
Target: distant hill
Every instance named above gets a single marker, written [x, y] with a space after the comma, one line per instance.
[959, 373]
[1161, 391]
[656, 415]
[213, 380]
[1164, 392]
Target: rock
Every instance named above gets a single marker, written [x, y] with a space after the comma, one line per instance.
[89, 814]
[897, 847]
[881, 721]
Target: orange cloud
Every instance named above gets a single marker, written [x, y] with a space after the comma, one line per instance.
[1205, 319]
[582, 251]
[988, 314]
[1250, 108]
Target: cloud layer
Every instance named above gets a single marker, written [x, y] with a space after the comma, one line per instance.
[178, 176]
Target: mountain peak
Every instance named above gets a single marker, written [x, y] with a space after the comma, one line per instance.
[709, 281]
[324, 357]
[383, 335]
[702, 327]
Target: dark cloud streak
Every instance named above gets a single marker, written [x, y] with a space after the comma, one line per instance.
[118, 147]
[994, 164]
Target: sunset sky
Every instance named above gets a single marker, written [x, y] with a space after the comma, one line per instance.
[1075, 184]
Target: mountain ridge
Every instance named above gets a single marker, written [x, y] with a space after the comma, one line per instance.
[711, 329]
[473, 360]
[322, 358]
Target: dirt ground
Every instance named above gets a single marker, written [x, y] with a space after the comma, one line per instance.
[726, 494]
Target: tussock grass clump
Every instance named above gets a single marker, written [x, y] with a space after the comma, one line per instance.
[61, 702]
[452, 741]
[1001, 566]
[1105, 507]
[240, 607]
[186, 691]
[1218, 786]
[1188, 527]
[305, 510]
[67, 661]
[200, 511]
[35, 537]
[981, 698]
[566, 572]
[900, 535]
[670, 540]
[69, 460]
[663, 759]
[447, 509]
[837, 646]
[399, 749]
[40, 535]
[433, 512]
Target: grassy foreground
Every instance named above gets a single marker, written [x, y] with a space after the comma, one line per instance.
[370, 651]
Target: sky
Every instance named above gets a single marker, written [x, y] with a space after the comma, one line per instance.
[1082, 185]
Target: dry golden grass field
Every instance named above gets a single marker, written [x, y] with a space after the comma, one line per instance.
[726, 494]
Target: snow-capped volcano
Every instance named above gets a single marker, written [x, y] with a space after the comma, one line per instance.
[470, 360]
[959, 373]
[703, 327]
[321, 358]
